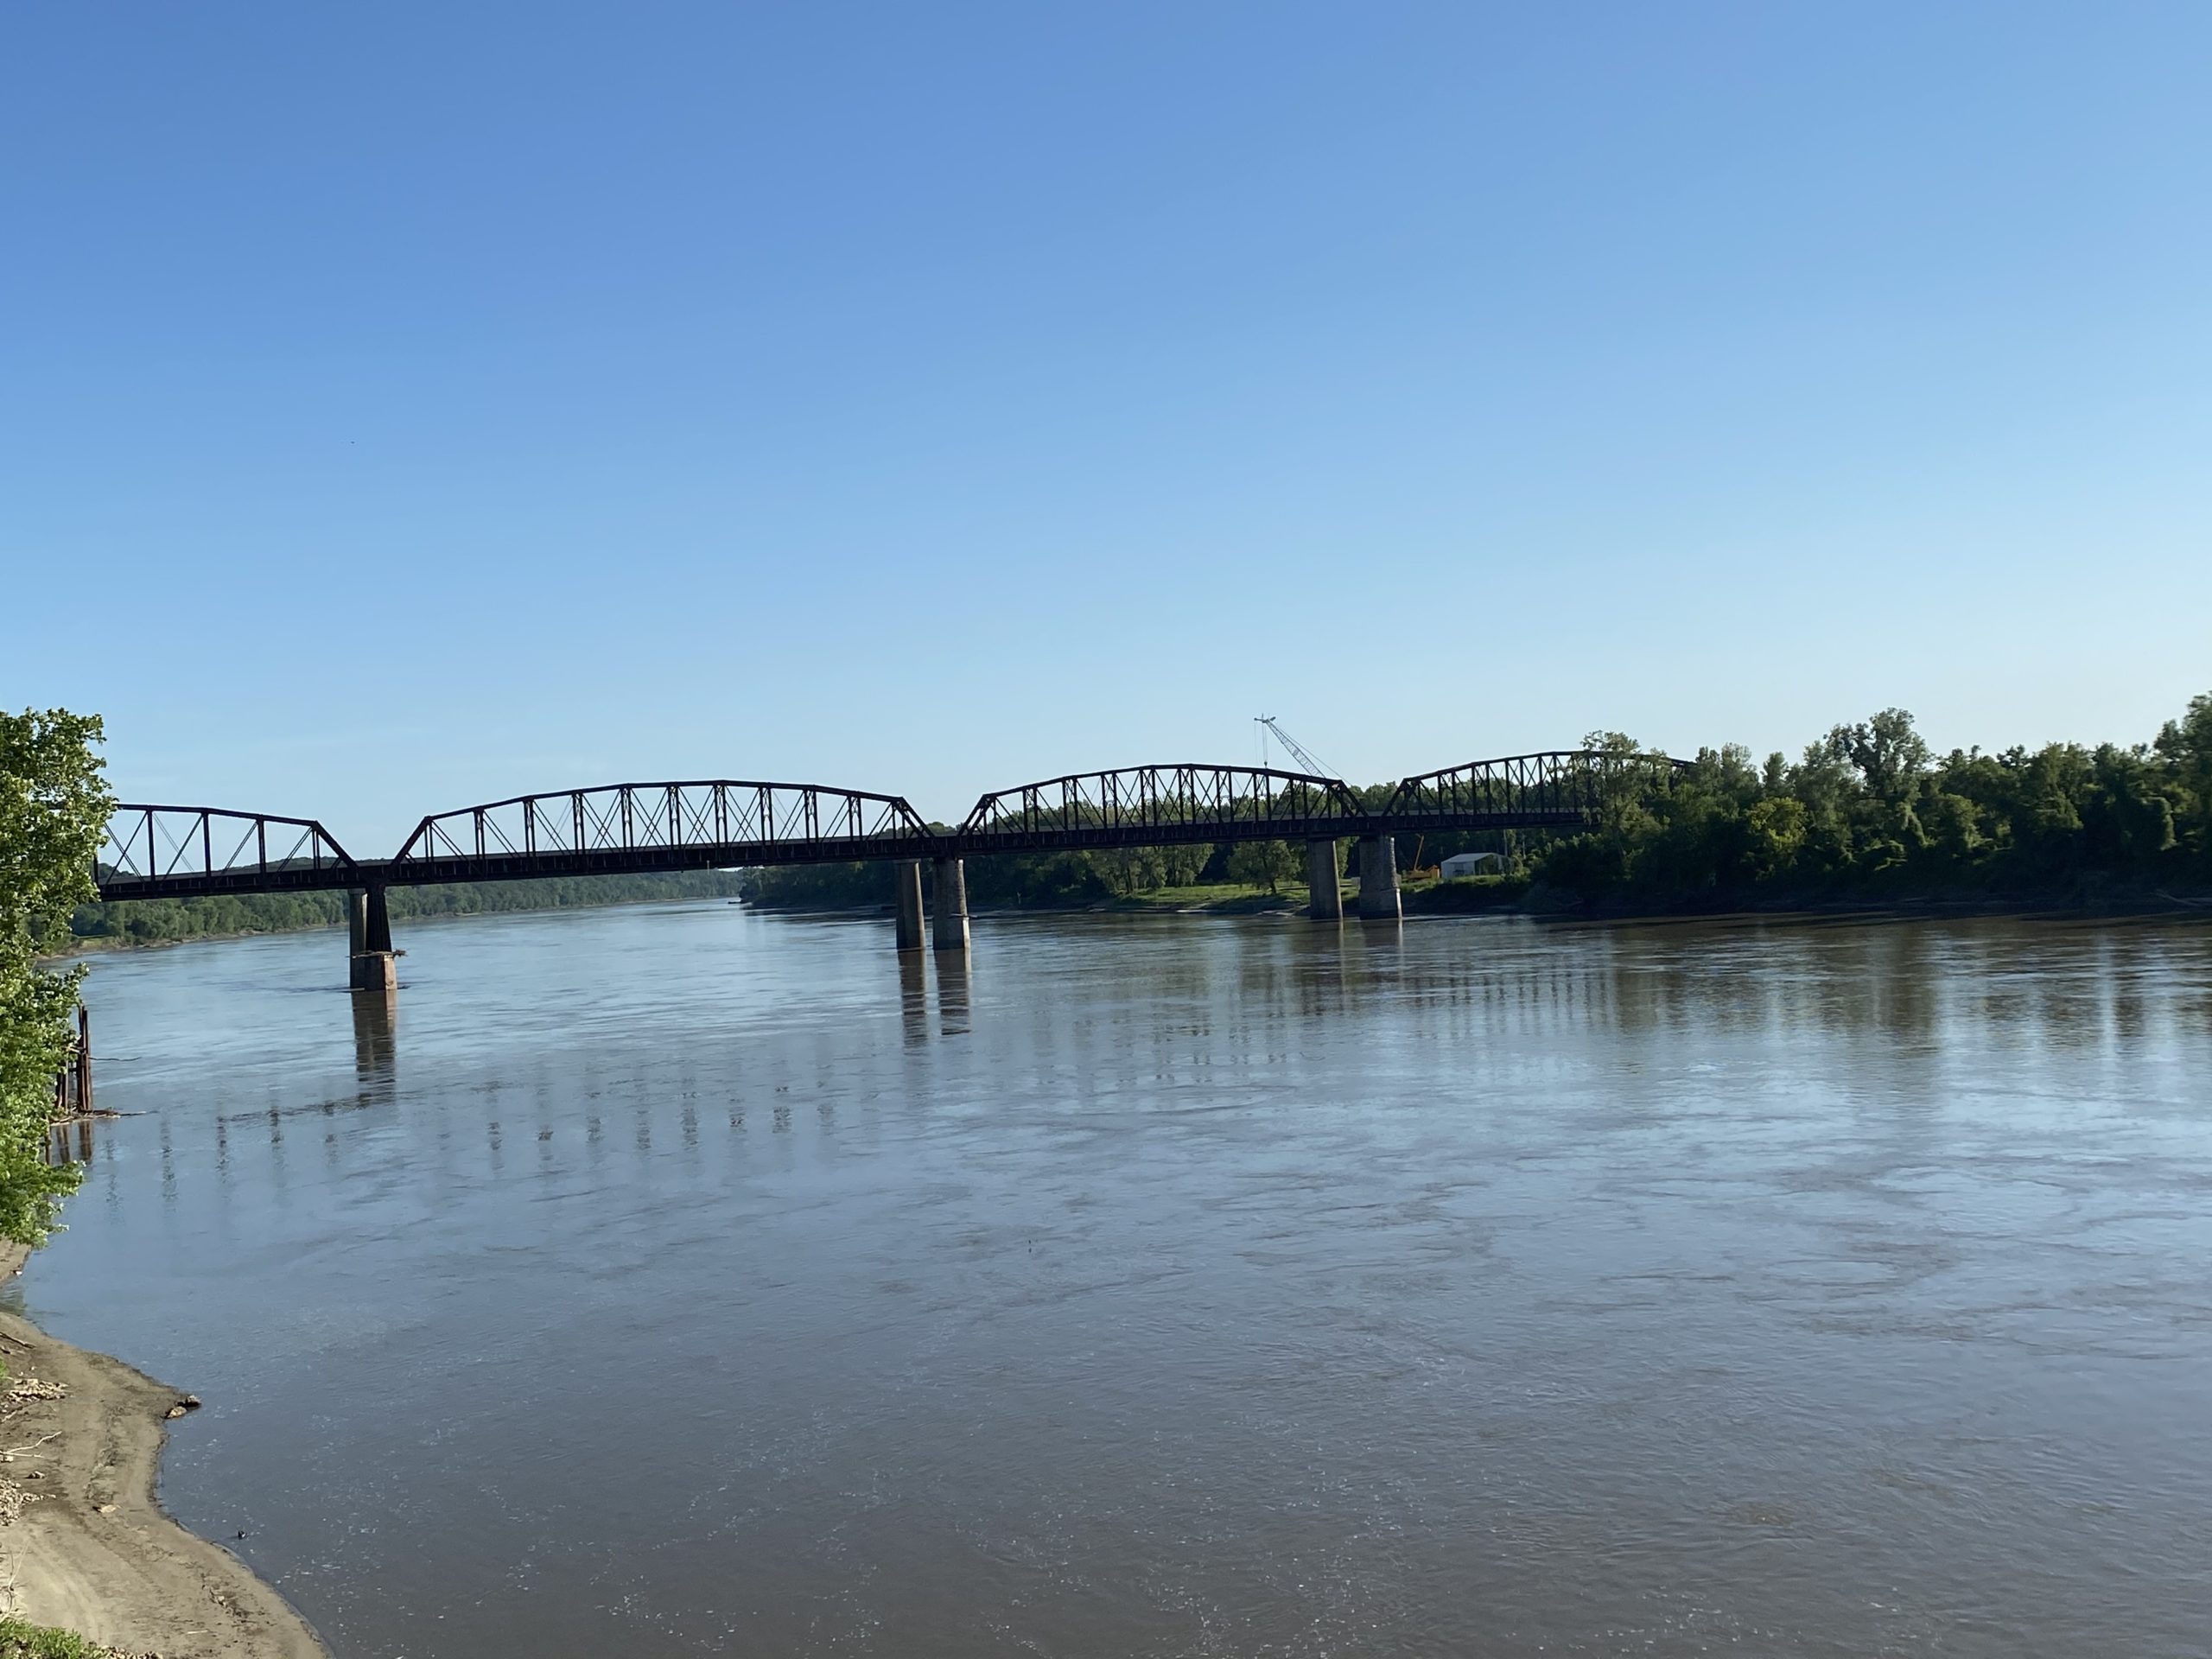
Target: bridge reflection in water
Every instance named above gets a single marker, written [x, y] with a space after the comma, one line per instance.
[154, 852]
[376, 1042]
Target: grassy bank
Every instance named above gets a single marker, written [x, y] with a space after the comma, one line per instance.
[21, 1641]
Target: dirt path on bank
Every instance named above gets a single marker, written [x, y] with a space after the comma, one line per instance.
[90, 1549]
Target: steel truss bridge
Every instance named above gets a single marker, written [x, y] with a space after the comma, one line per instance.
[185, 852]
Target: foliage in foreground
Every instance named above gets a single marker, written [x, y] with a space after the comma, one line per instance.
[21, 1641]
[54, 807]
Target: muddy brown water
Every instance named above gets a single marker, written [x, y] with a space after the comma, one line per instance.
[681, 1281]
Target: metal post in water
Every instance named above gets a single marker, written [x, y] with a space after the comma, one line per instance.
[83, 1061]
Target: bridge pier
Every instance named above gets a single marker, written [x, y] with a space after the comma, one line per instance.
[372, 963]
[1326, 902]
[1378, 880]
[949, 914]
[908, 874]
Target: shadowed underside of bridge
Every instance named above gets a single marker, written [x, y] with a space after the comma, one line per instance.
[154, 851]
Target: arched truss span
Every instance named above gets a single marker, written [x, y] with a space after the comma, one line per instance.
[641, 827]
[1142, 805]
[1564, 786]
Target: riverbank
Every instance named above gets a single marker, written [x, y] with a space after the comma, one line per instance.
[84, 1542]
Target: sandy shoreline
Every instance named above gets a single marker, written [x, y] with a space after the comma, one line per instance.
[91, 1550]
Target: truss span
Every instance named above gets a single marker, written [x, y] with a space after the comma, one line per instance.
[642, 827]
[188, 852]
[154, 852]
[1161, 805]
[1560, 788]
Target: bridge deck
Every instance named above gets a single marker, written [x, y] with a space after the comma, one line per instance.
[159, 852]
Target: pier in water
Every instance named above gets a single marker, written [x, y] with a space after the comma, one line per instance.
[684, 1280]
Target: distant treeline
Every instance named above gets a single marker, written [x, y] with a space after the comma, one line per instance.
[155, 921]
[1043, 881]
[1865, 814]
[1869, 813]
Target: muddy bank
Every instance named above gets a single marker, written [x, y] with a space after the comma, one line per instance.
[83, 1543]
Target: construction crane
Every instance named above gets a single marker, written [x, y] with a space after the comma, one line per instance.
[1267, 723]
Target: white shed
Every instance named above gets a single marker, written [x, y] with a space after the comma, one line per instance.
[1469, 864]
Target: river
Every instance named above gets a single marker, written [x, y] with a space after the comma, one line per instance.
[680, 1280]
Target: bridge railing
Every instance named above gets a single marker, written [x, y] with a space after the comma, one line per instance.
[205, 847]
[643, 818]
[1183, 801]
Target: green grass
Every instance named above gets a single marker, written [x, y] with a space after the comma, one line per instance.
[1227, 896]
[21, 1641]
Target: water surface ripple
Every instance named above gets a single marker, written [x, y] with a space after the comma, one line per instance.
[682, 1280]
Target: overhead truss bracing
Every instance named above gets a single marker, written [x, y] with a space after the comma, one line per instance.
[1157, 805]
[704, 824]
[192, 851]
[720, 823]
[1563, 786]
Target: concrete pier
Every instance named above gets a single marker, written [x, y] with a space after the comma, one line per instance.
[909, 877]
[372, 963]
[949, 906]
[1378, 880]
[1326, 901]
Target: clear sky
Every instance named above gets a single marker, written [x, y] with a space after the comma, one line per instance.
[403, 406]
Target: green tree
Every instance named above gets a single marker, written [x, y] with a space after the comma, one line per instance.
[1263, 863]
[1775, 830]
[1888, 753]
[2185, 746]
[53, 808]
[1954, 825]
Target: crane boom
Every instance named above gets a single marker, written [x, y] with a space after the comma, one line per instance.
[1296, 748]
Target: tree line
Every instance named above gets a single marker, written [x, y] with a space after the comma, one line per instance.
[162, 921]
[1867, 813]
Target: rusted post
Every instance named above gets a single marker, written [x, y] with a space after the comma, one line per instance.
[83, 1061]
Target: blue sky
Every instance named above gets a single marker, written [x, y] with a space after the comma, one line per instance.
[408, 405]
